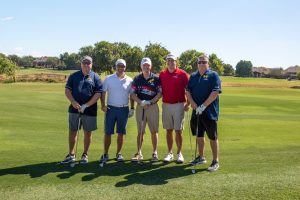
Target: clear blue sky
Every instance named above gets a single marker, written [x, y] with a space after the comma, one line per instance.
[266, 32]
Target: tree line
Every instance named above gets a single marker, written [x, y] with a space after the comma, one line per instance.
[105, 54]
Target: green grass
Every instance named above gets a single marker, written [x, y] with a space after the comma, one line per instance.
[259, 150]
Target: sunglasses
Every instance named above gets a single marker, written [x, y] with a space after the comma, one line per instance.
[202, 62]
[86, 63]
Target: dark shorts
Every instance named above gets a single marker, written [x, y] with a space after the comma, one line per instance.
[113, 116]
[88, 123]
[204, 125]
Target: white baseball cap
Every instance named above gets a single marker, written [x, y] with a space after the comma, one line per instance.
[171, 56]
[121, 61]
[146, 61]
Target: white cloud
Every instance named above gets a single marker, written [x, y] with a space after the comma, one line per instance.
[7, 18]
[18, 49]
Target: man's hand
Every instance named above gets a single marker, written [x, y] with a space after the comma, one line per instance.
[75, 105]
[104, 108]
[145, 102]
[82, 108]
[131, 113]
[186, 107]
[200, 109]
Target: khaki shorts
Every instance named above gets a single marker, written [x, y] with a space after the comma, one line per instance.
[173, 116]
[151, 117]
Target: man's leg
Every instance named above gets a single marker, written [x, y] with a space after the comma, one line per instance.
[72, 141]
[120, 141]
[154, 139]
[87, 141]
[201, 143]
[107, 142]
[214, 144]
[169, 138]
[179, 140]
[139, 141]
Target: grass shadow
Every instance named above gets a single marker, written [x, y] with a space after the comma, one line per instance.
[147, 174]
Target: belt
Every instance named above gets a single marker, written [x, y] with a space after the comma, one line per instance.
[175, 102]
[119, 106]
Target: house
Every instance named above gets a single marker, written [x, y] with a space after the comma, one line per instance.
[260, 72]
[292, 72]
[40, 62]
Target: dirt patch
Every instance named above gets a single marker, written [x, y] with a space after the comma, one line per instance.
[41, 78]
[296, 87]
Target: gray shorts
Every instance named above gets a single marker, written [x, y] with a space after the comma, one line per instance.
[88, 123]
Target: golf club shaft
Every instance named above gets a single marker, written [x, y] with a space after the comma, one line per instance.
[141, 136]
[77, 137]
[196, 146]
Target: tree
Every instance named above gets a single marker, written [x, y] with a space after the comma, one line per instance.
[27, 61]
[52, 62]
[216, 63]
[86, 51]
[7, 67]
[104, 56]
[243, 68]
[228, 70]
[71, 61]
[298, 75]
[134, 59]
[15, 59]
[188, 60]
[157, 53]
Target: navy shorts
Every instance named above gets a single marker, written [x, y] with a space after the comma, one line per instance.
[204, 125]
[113, 116]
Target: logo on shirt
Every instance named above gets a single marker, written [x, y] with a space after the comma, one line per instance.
[205, 76]
[151, 81]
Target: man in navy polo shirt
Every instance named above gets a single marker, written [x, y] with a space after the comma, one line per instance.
[146, 91]
[83, 89]
[203, 91]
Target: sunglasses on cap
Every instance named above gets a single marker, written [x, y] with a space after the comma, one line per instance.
[202, 62]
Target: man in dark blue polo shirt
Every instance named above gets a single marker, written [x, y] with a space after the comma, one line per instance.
[83, 89]
[203, 91]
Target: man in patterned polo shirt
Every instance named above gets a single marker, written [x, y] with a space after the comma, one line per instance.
[146, 91]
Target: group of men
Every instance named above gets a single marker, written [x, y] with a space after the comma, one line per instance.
[178, 90]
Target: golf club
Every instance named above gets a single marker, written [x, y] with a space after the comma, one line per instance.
[191, 148]
[79, 123]
[194, 170]
[140, 138]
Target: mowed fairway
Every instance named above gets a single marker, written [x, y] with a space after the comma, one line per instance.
[259, 134]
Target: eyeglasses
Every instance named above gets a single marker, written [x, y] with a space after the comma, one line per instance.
[202, 62]
[86, 63]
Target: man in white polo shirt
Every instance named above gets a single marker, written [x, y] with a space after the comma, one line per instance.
[117, 86]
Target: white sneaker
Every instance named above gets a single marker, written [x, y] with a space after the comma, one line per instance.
[214, 166]
[180, 158]
[169, 157]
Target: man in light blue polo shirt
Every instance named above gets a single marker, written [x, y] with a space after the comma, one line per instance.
[203, 91]
[83, 89]
[117, 86]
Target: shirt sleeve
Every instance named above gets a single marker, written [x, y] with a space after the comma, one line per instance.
[98, 85]
[105, 85]
[133, 87]
[158, 86]
[217, 83]
[189, 86]
[69, 84]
